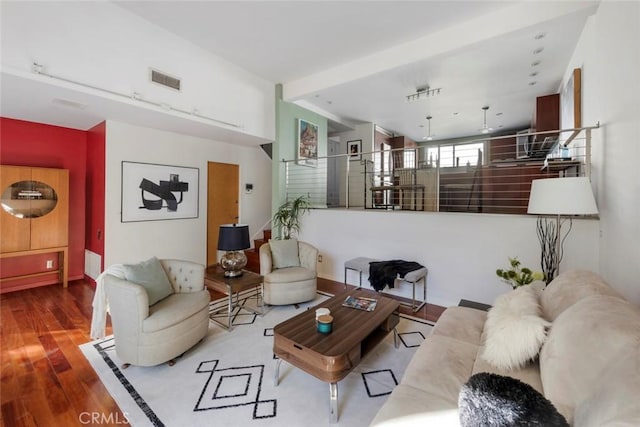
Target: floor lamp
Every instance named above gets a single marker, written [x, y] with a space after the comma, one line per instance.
[558, 197]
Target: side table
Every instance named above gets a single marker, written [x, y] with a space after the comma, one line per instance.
[232, 286]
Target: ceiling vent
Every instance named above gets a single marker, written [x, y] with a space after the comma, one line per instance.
[165, 80]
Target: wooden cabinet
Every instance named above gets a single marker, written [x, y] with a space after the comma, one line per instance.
[547, 114]
[546, 118]
[34, 216]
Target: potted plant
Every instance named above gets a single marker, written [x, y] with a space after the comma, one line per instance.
[288, 215]
[518, 276]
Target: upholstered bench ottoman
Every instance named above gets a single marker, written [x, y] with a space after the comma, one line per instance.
[361, 264]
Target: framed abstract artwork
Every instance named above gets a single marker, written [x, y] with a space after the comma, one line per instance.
[307, 143]
[152, 192]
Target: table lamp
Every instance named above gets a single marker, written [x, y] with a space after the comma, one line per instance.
[234, 239]
[558, 196]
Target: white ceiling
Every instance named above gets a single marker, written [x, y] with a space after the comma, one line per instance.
[349, 58]
[286, 40]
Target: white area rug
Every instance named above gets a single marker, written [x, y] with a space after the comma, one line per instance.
[228, 379]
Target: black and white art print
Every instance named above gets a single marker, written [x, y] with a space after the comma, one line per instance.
[152, 192]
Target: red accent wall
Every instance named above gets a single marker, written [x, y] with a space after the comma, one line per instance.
[94, 233]
[39, 145]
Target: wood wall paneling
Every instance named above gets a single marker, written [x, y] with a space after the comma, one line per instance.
[502, 149]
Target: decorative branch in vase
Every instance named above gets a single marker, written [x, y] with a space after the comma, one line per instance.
[518, 276]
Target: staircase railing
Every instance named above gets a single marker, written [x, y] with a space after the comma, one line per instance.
[486, 175]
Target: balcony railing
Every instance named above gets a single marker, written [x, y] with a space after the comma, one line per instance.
[489, 175]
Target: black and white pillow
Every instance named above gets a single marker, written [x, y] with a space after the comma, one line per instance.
[499, 401]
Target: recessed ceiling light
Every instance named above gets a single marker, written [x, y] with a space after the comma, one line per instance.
[455, 114]
[535, 63]
[535, 73]
[539, 36]
[317, 95]
[329, 102]
[420, 126]
[532, 83]
[498, 114]
[538, 50]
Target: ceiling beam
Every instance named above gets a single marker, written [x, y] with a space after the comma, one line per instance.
[494, 24]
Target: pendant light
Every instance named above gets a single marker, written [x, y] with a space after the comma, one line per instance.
[429, 137]
[485, 128]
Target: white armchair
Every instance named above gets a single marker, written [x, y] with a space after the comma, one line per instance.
[289, 285]
[149, 335]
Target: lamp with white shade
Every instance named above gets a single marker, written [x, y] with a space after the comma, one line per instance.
[558, 197]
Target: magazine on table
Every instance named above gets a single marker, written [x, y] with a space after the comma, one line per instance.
[361, 303]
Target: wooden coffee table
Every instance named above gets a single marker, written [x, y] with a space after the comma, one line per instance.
[331, 357]
[232, 286]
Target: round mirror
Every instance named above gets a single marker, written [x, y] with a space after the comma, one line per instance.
[28, 199]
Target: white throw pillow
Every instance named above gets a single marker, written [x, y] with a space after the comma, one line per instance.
[514, 330]
[284, 253]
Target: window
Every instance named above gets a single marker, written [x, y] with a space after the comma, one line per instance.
[452, 155]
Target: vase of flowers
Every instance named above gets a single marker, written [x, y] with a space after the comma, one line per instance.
[518, 276]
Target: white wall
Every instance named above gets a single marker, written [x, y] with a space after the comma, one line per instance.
[364, 132]
[609, 55]
[101, 44]
[184, 238]
[461, 250]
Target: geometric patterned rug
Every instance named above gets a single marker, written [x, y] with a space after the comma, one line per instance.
[228, 378]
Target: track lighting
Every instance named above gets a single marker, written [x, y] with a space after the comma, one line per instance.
[37, 68]
[422, 93]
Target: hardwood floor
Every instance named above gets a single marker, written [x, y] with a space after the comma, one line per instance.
[45, 379]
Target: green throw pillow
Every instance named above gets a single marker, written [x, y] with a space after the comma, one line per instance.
[150, 275]
[284, 253]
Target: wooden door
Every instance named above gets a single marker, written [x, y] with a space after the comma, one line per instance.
[223, 187]
[16, 232]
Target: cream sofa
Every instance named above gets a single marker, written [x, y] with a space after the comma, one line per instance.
[588, 366]
[149, 335]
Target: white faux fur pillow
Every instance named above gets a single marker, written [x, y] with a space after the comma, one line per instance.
[514, 330]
